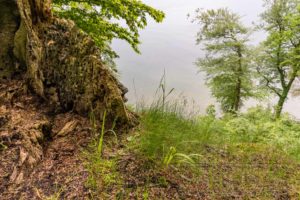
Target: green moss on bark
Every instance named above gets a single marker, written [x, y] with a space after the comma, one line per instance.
[72, 64]
[20, 41]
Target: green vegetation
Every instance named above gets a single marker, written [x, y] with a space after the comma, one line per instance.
[250, 153]
[244, 155]
[103, 20]
[102, 172]
[170, 129]
[226, 63]
[230, 62]
[278, 63]
[2, 146]
[100, 143]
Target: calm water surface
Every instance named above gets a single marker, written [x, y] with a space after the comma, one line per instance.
[171, 46]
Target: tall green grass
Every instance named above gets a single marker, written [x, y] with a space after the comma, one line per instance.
[171, 123]
[169, 126]
[165, 129]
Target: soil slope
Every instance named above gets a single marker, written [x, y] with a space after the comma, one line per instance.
[39, 149]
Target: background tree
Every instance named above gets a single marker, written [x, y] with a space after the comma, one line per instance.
[104, 20]
[226, 62]
[278, 62]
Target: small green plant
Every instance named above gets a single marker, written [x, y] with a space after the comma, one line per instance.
[102, 172]
[145, 195]
[2, 146]
[165, 94]
[169, 157]
[100, 144]
[179, 158]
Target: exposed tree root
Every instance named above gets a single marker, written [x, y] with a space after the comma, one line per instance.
[62, 64]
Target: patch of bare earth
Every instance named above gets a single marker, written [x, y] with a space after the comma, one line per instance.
[142, 177]
[40, 151]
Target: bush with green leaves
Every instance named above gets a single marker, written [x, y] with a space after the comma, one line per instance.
[259, 126]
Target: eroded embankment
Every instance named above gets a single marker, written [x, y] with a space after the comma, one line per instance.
[39, 150]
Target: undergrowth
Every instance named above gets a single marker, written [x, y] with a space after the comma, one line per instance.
[164, 129]
[249, 155]
[245, 156]
[102, 172]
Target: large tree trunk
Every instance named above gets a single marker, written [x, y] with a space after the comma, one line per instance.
[62, 64]
[8, 26]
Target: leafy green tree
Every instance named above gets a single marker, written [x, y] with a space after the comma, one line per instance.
[105, 20]
[226, 63]
[279, 58]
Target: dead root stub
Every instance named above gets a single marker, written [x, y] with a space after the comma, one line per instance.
[75, 75]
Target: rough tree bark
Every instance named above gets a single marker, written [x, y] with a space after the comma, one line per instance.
[8, 26]
[62, 64]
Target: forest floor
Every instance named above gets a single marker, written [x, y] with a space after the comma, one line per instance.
[40, 151]
[47, 155]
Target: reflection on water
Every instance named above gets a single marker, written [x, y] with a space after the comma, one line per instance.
[171, 46]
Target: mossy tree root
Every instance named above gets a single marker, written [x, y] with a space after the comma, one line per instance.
[63, 64]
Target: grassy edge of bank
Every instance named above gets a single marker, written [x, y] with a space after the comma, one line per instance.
[204, 156]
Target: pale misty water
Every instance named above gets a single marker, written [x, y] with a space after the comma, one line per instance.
[171, 46]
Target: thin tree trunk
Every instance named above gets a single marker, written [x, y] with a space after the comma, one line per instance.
[237, 102]
[279, 107]
[238, 95]
[283, 97]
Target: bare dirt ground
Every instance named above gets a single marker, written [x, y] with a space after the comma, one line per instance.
[40, 150]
